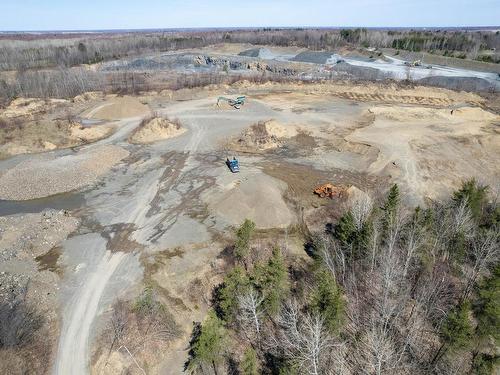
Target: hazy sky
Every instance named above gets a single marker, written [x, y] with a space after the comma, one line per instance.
[128, 14]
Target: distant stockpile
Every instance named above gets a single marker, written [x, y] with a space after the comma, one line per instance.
[261, 53]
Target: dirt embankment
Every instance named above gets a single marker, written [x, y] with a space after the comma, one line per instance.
[28, 107]
[46, 176]
[369, 92]
[30, 125]
[156, 129]
[29, 136]
[29, 271]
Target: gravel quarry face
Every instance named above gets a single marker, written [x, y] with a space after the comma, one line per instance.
[251, 61]
[162, 212]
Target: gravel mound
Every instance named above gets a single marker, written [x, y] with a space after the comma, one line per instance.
[261, 53]
[43, 177]
[461, 83]
[313, 57]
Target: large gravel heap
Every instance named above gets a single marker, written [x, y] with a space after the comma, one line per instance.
[37, 178]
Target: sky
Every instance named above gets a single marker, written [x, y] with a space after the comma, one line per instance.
[17, 15]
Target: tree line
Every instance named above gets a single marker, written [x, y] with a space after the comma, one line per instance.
[19, 54]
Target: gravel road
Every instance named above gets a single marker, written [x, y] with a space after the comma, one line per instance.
[98, 268]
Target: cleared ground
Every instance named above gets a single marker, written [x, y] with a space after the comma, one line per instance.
[162, 212]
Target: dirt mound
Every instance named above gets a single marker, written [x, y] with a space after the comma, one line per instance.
[156, 129]
[30, 106]
[119, 108]
[266, 135]
[43, 176]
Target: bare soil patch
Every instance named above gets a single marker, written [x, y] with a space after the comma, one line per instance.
[118, 108]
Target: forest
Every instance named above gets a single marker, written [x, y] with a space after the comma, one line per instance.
[388, 290]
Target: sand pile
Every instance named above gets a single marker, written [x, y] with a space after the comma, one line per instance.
[45, 176]
[119, 108]
[250, 194]
[30, 106]
[266, 135]
[156, 129]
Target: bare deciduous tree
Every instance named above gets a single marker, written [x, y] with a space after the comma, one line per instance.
[304, 338]
[361, 207]
[250, 310]
[484, 252]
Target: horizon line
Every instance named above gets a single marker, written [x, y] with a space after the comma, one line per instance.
[235, 28]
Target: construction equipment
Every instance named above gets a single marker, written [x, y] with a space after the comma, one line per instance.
[235, 103]
[329, 190]
[233, 165]
[413, 63]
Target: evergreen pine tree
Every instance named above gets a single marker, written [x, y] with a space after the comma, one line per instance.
[208, 348]
[243, 236]
[327, 300]
[271, 280]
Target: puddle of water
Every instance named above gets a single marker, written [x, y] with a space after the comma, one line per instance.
[66, 201]
[87, 123]
[48, 261]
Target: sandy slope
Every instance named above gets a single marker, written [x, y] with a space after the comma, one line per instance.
[118, 108]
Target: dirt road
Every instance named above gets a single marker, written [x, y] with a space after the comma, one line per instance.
[74, 341]
[89, 296]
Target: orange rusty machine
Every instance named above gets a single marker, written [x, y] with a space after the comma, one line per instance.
[329, 190]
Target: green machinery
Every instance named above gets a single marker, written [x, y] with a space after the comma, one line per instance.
[235, 103]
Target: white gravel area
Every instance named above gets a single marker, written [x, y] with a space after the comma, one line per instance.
[43, 177]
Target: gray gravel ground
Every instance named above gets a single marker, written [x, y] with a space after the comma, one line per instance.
[44, 176]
